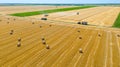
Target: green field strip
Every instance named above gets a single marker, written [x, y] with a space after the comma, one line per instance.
[117, 22]
[24, 14]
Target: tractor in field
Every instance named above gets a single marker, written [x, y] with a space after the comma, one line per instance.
[78, 22]
[84, 23]
[44, 18]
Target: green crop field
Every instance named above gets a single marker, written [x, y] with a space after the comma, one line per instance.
[24, 14]
[117, 22]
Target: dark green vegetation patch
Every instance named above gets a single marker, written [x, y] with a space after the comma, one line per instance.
[117, 22]
[48, 11]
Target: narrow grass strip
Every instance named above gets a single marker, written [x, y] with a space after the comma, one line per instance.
[117, 22]
[24, 14]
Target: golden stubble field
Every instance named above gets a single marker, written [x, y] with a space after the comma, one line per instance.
[100, 16]
[100, 45]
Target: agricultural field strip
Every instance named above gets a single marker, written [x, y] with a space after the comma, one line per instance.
[81, 26]
[59, 14]
[108, 49]
[115, 51]
[49, 43]
[98, 16]
[73, 20]
[116, 24]
[20, 25]
[76, 48]
[99, 52]
[65, 50]
[64, 24]
[8, 28]
[58, 43]
[49, 11]
[10, 22]
[111, 8]
[44, 52]
[73, 62]
[68, 13]
[113, 15]
[92, 53]
[85, 58]
[17, 9]
[81, 46]
[84, 48]
[97, 21]
[97, 45]
[83, 13]
[67, 20]
[118, 44]
[105, 19]
[34, 32]
[67, 25]
[77, 53]
[27, 32]
[101, 16]
[63, 56]
[19, 29]
[111, 54]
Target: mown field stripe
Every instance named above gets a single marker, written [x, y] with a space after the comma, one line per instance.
[24, 14]
[117, 22]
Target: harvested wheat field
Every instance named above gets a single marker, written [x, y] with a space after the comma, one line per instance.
[18, 9]
[31, 42]
[92, 15]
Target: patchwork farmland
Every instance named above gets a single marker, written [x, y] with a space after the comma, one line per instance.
[60, 41]
[103, 16]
